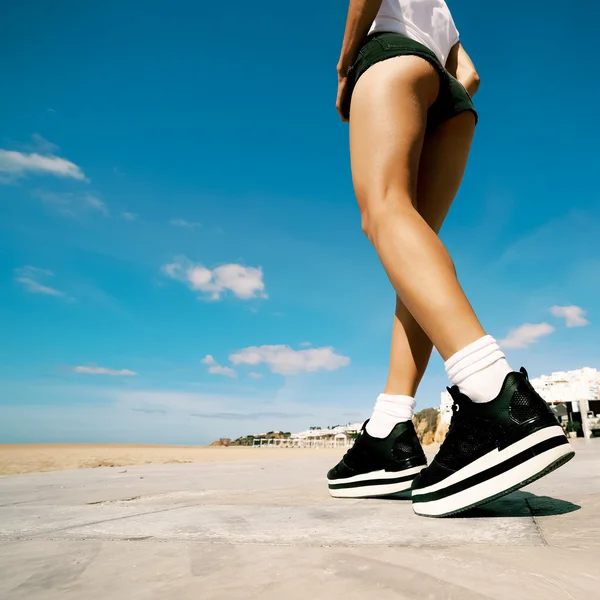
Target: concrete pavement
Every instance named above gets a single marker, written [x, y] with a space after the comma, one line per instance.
[269, 529]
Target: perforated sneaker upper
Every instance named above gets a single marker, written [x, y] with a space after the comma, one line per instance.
[398, 451]
[477, 429]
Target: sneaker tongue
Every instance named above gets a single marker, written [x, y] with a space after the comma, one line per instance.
[454, 392]
[461, 403]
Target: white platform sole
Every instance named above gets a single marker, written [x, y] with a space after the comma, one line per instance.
[376, 483]
[535, 461]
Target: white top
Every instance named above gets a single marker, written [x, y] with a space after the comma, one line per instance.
[426, 21]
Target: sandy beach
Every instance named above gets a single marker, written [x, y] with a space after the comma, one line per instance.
[31, 458]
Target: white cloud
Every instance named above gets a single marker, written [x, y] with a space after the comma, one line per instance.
[525, 335]
[95, 203]
[244, 282]
[255, 375]
[286, 361]
[162, 416]
[29, 278]
[225, 371]
[37, 288]
[574, 315]
[41, 145]
[96, 370]
[42, 160]
[70, 204]
[129, 216]
[184, 223]
[214, 368]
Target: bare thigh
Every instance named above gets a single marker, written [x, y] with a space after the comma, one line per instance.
[442, 165]
[388, 116]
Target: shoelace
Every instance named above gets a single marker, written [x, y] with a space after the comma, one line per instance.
[454, 420]
[357, 452]
[455, 413]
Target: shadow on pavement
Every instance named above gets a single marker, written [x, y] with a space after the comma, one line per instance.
[517, 504]
[522, 504]
[406, 495]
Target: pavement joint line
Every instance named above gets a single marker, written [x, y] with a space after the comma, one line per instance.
[142, 514]
[25, 502]
[537, 525]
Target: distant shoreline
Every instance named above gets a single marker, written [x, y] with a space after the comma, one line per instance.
[35, 458]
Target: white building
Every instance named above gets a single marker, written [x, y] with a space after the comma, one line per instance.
[341, 436]
[569, 386]
[446, 403]
[578, 390]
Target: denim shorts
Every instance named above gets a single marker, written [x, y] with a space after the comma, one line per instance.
[452, 99]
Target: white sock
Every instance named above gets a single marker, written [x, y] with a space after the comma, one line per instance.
[390, 409]
[479, 369]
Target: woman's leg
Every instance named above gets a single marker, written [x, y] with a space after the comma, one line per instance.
[387, 127]
[441, 168]
[387, 122]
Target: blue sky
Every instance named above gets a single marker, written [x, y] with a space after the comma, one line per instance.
[174, 185]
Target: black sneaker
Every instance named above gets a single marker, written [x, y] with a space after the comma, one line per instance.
[378, 466]
[491, 449]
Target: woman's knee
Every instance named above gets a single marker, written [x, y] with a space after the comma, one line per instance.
[367, 225]
[380, 218]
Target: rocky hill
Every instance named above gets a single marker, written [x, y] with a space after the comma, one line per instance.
[428, 426]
